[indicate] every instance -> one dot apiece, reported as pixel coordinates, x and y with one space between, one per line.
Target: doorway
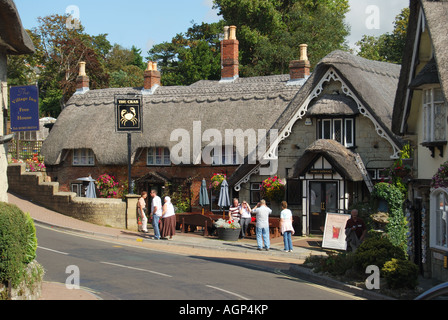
323 199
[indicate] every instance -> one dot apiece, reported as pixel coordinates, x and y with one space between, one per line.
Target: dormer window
158 157
342 130
83 157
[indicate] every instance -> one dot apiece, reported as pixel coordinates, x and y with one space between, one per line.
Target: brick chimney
83 81
229 55
300 69
152 78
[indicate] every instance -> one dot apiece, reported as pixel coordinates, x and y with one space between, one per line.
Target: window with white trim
341 130
434 115
83 157
438 219
158 157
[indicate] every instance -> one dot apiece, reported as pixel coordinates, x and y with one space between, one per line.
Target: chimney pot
226 32
232 33
82 69
149 67
304 52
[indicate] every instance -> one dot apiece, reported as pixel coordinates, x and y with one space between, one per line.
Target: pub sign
128 113
24 105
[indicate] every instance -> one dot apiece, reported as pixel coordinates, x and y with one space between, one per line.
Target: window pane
439 122
167 157
438 95
150 160
338 131
294 194
349 132
326 129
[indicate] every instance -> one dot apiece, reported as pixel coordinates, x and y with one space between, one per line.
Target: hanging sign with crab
129 113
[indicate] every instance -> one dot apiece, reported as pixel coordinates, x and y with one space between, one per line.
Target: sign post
129 119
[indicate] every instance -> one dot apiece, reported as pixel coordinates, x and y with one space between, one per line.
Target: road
116 271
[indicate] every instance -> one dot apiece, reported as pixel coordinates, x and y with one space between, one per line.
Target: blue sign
24 105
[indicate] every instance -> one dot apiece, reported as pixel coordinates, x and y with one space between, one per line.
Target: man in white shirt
156 212
262 225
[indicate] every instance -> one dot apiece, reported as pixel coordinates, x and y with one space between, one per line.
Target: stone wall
106 212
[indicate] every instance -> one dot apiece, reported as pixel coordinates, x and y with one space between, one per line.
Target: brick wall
107 212
66 173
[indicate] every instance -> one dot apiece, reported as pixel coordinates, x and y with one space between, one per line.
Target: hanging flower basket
440 179
216 181
273 189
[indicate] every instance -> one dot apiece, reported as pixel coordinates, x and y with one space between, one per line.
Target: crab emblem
129 116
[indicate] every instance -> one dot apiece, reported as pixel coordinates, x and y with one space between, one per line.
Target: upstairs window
341 130
158 157
83 157
434 116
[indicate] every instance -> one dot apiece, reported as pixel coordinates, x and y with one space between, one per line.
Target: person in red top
355 231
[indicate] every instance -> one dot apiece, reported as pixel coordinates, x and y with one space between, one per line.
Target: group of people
164 221
163 216
242 213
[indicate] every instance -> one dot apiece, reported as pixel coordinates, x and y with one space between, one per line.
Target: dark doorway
322 198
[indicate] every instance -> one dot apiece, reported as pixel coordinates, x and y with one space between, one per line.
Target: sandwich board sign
334 232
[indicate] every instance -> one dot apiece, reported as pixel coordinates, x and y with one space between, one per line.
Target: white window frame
437 227
83 158
344 124
162 154
428 106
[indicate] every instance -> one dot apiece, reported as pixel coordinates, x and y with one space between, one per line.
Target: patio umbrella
224 199
91 189
203 195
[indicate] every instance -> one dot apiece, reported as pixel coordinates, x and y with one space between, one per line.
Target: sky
144 23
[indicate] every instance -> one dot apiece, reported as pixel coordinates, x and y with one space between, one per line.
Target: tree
61 50
388 47
270 31
190 57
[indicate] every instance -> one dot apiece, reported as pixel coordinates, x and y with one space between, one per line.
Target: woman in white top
286 226
246 218
168 219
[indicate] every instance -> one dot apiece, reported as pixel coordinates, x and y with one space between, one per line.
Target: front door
322 198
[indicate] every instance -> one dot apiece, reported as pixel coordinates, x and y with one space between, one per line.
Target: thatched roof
428 75
88 120
12 34
333 105
374 84
342 159
436 15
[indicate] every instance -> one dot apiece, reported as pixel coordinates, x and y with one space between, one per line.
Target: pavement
244 250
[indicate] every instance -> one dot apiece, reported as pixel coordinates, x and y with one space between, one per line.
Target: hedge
18 243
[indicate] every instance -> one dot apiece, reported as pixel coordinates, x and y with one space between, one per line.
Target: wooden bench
189 222
274 228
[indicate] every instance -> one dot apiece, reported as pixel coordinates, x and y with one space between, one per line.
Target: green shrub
338 264
400 274
18 243
376 251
